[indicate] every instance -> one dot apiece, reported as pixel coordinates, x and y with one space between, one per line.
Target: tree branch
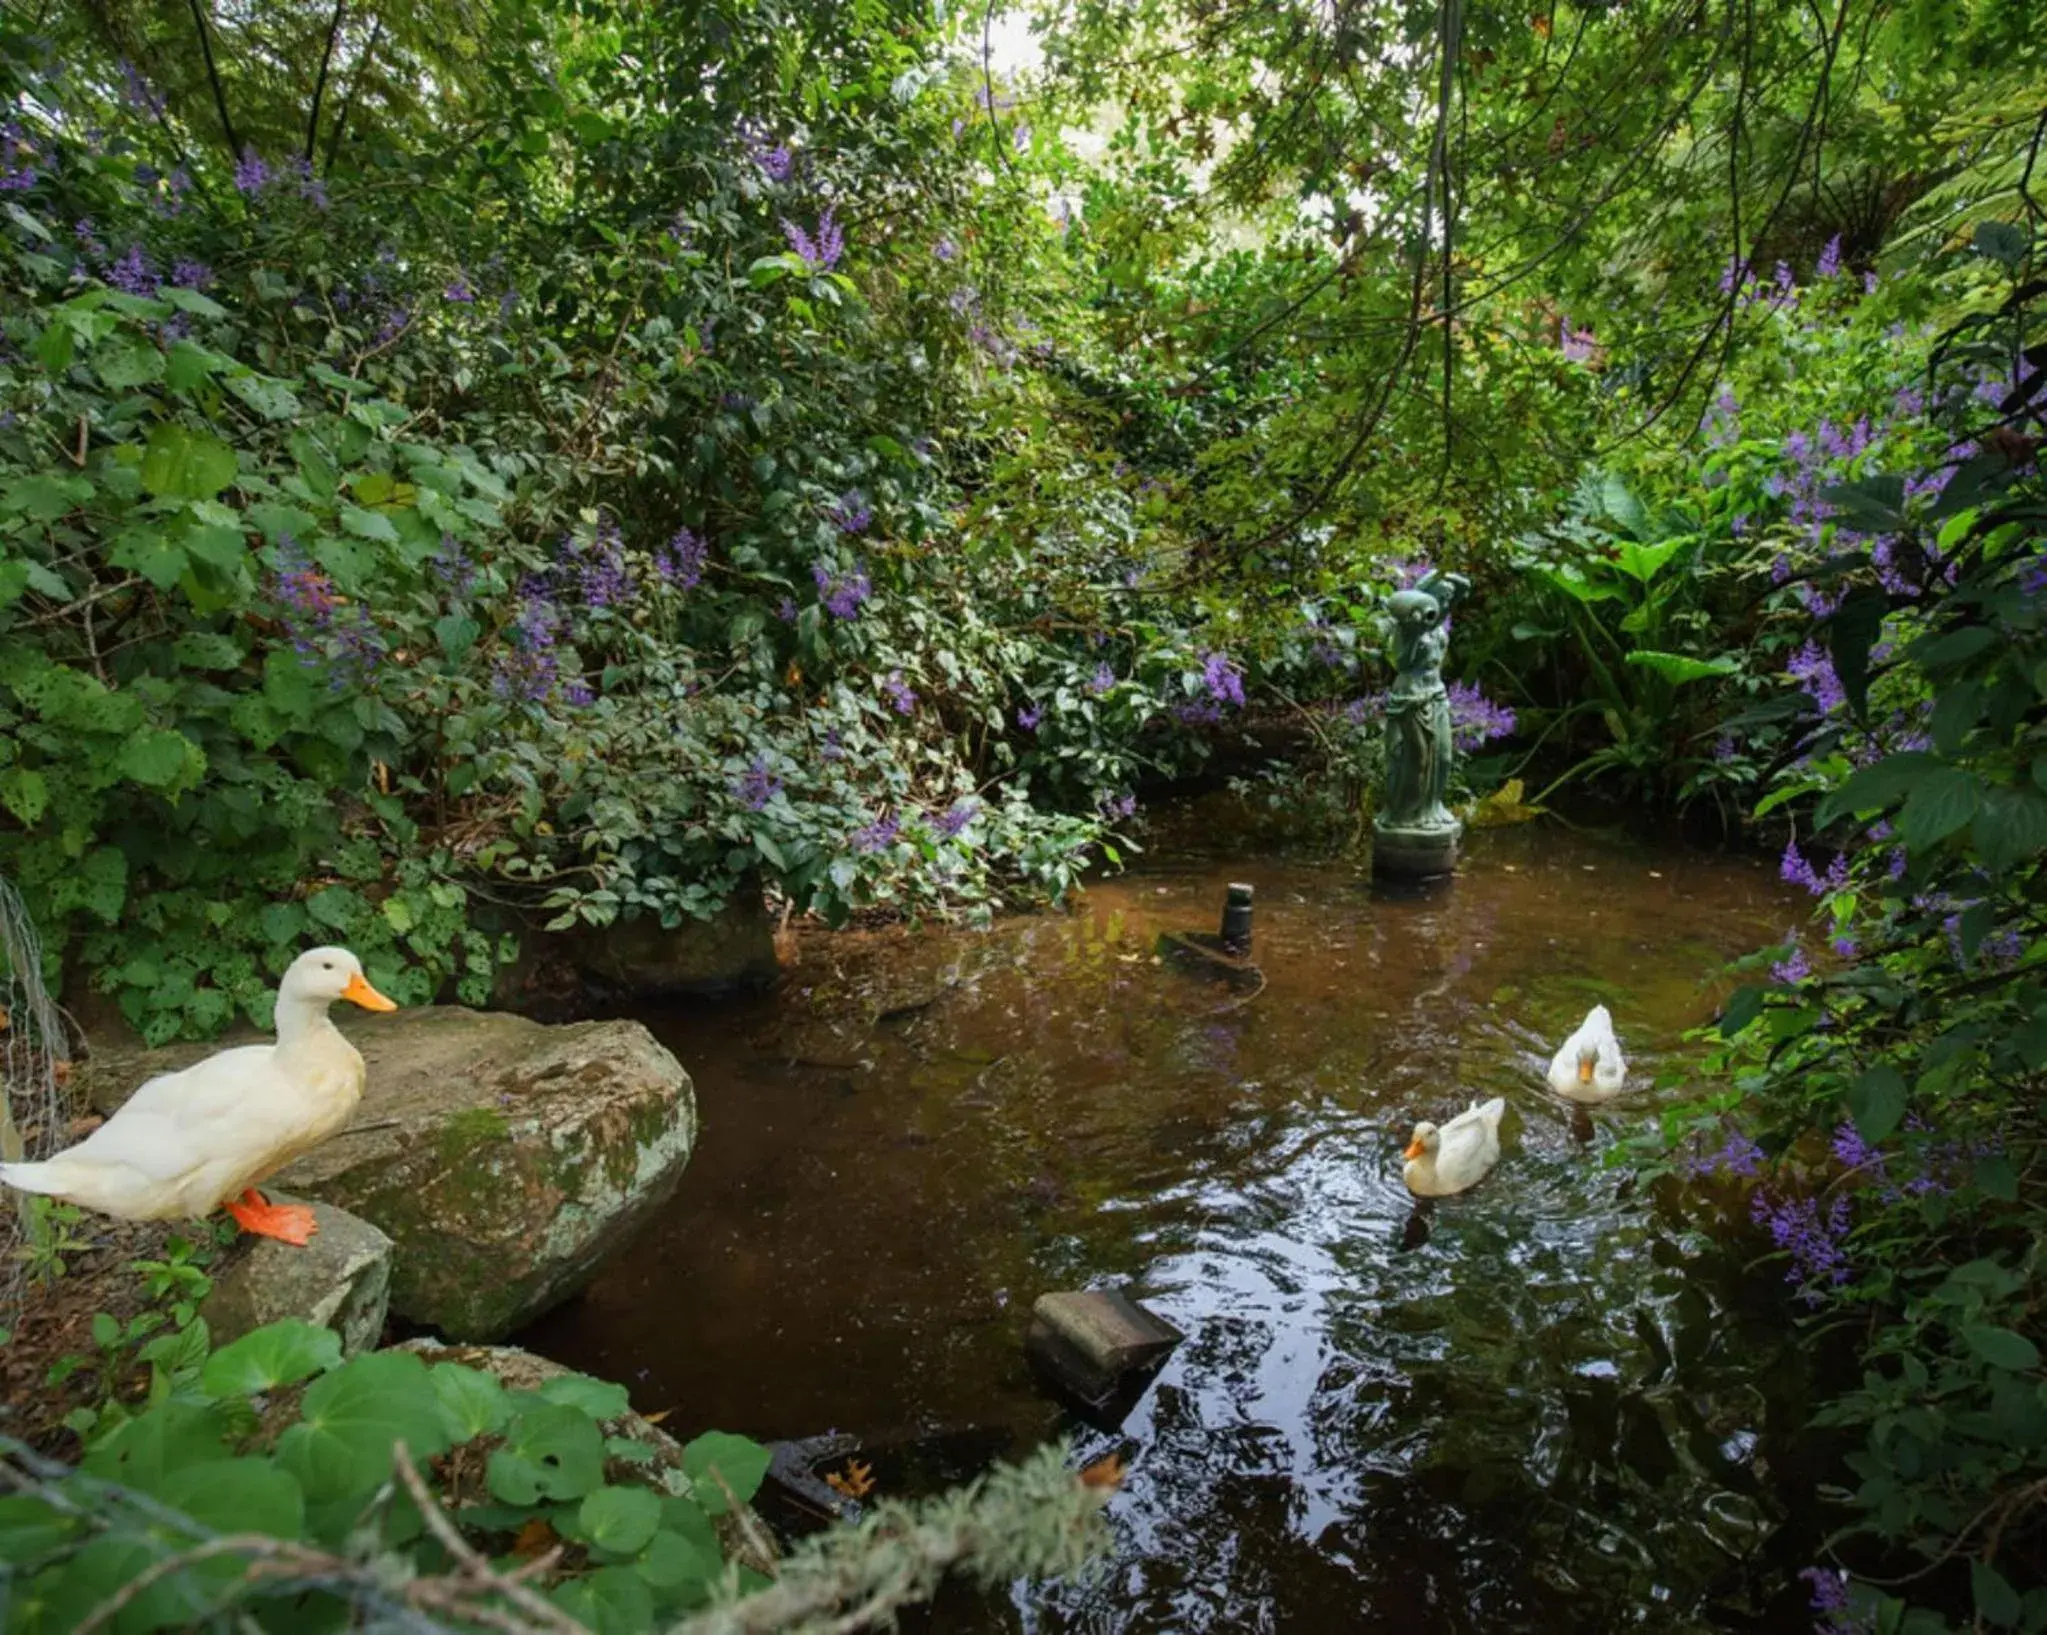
320 81
227 124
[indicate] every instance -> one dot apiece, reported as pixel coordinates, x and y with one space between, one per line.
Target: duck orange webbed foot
288 1223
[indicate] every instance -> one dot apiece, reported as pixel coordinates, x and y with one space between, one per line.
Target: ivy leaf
1876 1101
473 1403
179 464
620 1520
349 1419
280 1353
2001 1348
238 1496
600 1399
368 524
549 1452
743 1464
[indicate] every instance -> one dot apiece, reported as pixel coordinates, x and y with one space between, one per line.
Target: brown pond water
1553 1409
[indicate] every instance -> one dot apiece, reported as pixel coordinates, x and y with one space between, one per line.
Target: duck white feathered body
186 1142
1457 1156
1588 1066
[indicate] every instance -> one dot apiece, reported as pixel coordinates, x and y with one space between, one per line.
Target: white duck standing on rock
1449 1160
186 1142
1588 1066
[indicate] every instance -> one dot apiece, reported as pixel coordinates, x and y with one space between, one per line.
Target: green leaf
280 1353
743 1464
368 524
179 464
238 1496
158 759
671 1562
1870 505
1940 803
2004 242
1621 505
2001 1348
473 1403
30 1528
1679 668
1744 1005
549 1452
2011 827
144 1452
26 793
272 399
620 1520
336 907
203 650
612 1601
46 496
189 364
1875 787
1995 1598
122 369
1852 635
600 1399
349 1419
1876 1101
191 301
1955 713
456 634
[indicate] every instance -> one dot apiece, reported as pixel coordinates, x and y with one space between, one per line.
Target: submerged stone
1098 1349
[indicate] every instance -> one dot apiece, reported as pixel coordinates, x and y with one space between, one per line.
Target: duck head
1425 1140
320 976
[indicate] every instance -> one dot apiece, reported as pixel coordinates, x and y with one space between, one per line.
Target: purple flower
681 561
1725 749
528 667
1021 137
252 175
771 158
1474 718
133 274
1738 1156
1813 1239
820 254
15 176
1795 870
1814 670
451 566
137 91
841 593
459 291
877 836
396 321
311 188
956 818
851 514
900 697
945 249
1028 716
191 275
1852 1151
1830 259
1792 970
785 610
1104 678
756 786
1578 344
1225 683
1119 807
88 239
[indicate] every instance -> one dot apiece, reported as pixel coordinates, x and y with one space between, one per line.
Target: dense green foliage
629 459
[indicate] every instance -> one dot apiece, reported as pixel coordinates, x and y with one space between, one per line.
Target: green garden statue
1413 833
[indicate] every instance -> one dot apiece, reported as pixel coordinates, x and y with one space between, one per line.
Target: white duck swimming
1588 1066
1447 1160
188 1141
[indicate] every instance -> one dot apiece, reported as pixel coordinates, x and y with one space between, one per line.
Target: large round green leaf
741 1462
550 1452
619 1520
350 1418
281 1353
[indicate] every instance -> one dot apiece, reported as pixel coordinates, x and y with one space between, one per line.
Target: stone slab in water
1098 1348
504 1158
1203 954
341 1279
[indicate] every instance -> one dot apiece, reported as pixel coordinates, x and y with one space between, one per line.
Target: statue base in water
1415 854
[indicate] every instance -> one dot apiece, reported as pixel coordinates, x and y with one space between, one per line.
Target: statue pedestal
1414 854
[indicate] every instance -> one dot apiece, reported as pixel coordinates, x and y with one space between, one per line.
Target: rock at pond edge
341 1279
505 1159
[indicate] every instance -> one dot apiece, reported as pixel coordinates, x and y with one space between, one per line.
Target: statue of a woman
1415 830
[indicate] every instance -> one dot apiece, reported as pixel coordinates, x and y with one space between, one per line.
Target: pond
1551 1399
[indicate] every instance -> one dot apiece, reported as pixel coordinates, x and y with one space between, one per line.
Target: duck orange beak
1585 1069
1414 1150
360 992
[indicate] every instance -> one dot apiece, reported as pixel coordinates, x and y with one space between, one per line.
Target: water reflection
1533 1403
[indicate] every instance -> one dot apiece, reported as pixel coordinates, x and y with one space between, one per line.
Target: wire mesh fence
35 1061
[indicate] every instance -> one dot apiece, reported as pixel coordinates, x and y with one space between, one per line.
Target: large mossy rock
504 1158
342 1279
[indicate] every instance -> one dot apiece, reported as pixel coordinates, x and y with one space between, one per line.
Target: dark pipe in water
1236 932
